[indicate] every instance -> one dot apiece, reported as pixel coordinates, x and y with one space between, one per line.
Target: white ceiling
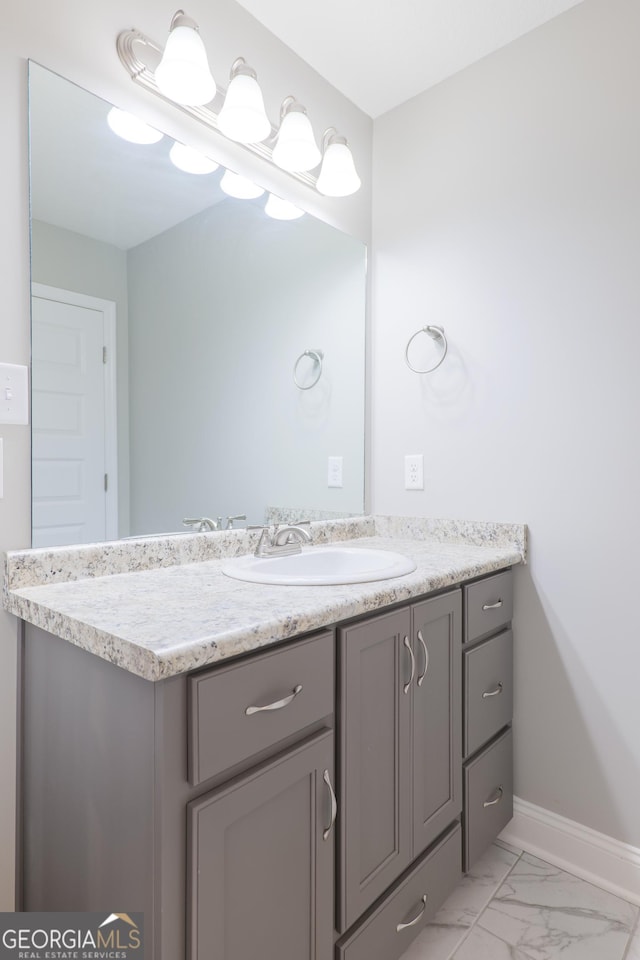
379 53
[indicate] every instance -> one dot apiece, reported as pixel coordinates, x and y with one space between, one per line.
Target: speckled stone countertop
170 616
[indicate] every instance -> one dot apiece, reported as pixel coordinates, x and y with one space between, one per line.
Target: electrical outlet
334 476
414 471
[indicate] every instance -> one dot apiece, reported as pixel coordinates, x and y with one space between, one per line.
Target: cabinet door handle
277 704
412 923
426 659
413 665
492 606
334 805
493 693
497 799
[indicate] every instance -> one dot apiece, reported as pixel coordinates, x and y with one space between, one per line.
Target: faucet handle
202 523
230 520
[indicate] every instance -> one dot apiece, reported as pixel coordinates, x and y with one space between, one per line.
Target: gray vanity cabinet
400 746
260 861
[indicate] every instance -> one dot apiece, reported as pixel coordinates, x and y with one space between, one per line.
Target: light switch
14 393
334 474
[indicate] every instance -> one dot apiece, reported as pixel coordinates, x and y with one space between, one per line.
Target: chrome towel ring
436 333
318 357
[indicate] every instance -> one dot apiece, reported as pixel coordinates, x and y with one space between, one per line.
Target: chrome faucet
202 524
283 541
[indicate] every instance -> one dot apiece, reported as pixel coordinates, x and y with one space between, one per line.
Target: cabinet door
437 724
260 869
375 765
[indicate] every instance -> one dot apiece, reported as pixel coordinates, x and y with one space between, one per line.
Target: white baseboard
593 856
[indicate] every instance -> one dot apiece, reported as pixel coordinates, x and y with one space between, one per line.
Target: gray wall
220 307
77 39
506 208
70 261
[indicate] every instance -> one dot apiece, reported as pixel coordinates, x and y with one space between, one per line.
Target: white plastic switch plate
335 472
414 471
1 469
14 393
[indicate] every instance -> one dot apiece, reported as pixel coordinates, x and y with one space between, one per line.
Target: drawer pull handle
412 923
426 659
492 606
493 693
413 665
334 805
492 803
277 704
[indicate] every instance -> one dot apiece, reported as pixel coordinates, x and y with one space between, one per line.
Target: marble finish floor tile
462 908
633 953
544 913
482 945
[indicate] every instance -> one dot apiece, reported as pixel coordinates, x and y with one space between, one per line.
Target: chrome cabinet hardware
497 799
334 805
492 606
412 923
426 659
493 693
413 665
277 704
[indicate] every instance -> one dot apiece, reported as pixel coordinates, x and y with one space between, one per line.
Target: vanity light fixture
130 128
296 148
243 117
191 161
239 187
338 176
183 74
279 209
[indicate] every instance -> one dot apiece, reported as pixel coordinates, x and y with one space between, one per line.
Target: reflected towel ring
316 355
436 333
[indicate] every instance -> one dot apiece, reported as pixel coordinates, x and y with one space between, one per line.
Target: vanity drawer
488 786
488 605
409 906
247 707
488 690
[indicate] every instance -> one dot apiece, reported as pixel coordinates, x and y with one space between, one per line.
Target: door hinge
106 482
104 354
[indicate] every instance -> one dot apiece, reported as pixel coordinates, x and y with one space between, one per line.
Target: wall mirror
167 320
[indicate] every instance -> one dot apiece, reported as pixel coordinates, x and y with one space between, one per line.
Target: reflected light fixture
338 176
243 117
190 160
240 187
296 148
130 128
280 209
183 73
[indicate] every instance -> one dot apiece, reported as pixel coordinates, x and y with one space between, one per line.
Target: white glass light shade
183 74
239 187
280 209
338 176
296 149
243 117
130 128
190 160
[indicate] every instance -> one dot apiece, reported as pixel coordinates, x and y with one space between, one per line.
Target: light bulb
338 176
296 149
190 160
183 73
130 128
239 187
243 117
280 209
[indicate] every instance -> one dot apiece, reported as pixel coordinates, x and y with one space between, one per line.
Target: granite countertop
167 620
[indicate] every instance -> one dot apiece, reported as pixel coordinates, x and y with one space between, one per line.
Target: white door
72 418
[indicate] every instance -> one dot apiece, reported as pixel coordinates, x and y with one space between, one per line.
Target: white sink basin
321 565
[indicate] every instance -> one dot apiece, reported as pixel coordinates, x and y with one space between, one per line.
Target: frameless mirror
191 356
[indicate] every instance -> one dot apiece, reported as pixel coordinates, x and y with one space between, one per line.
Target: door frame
108 310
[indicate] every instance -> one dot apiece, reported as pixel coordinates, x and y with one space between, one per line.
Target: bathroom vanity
308 778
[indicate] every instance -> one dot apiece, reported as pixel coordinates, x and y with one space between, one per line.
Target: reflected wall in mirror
200 305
